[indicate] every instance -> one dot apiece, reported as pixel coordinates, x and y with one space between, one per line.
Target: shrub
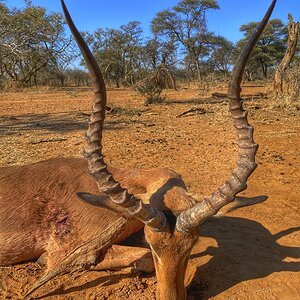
152 91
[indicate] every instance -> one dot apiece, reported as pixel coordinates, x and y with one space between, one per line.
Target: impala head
170 234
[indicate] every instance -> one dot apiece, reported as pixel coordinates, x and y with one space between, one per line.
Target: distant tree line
35 49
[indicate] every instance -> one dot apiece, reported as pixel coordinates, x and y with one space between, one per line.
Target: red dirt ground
246 252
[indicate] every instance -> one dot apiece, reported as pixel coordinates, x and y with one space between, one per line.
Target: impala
42 218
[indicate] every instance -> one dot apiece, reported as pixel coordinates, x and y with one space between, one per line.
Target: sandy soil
247 252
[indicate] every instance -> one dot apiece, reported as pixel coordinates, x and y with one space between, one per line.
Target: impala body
40 212
41 216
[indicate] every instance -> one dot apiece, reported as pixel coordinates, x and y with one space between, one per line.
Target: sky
89 15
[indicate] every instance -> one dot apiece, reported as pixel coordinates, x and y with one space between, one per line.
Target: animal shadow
101 280
52 122
246 250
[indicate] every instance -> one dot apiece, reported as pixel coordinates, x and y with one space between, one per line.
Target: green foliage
152 91
35 50
31 41
221 55
269 49
118 51
157 52
185 24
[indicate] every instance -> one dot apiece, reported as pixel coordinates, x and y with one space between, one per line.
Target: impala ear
103 201
96 200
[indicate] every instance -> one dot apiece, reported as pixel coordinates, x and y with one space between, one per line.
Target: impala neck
170 280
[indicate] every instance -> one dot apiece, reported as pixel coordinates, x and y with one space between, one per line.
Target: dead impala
41 217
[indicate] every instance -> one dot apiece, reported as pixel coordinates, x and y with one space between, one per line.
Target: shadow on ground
198 101
214 100
246 250
99 281
62 122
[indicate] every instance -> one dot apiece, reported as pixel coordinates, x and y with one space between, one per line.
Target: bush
152 91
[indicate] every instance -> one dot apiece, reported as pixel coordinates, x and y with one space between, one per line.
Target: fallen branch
48 141
218 95
193 111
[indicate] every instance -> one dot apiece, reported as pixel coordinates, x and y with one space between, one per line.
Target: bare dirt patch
247 252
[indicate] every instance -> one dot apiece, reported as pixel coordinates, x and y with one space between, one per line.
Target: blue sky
91 14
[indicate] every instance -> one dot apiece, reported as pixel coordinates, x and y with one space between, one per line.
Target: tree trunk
117 82
199 76
265 72
293 28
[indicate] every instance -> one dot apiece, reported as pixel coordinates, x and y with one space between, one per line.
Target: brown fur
41 214
171 251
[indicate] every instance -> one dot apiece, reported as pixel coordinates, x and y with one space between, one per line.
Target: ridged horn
246 164
149 215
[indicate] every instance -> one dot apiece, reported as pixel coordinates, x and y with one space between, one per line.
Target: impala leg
119 257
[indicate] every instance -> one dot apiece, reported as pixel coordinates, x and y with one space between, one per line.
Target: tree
31 40
5 27
293 30
159 59
78 77
269 49
118 51
158 52
186 24
221 55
